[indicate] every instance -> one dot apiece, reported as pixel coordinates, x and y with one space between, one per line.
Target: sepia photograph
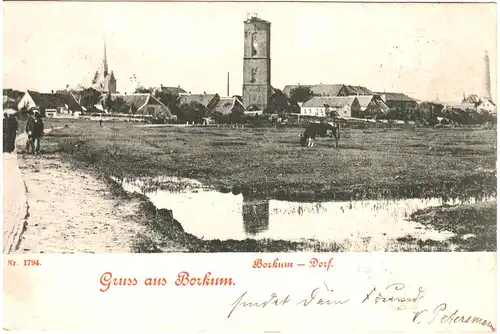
170 127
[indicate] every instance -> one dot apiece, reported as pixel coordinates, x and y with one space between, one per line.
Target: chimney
227 83
487 82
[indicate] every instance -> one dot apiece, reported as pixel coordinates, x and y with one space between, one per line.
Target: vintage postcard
249 166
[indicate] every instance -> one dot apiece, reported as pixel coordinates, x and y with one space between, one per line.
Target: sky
424 50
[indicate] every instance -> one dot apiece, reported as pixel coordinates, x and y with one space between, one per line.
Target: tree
108 103
300 94
90 97
119 106
142 90
278 103
167 98
192 112
236 113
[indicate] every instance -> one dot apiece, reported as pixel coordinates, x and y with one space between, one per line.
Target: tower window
255 44
253 75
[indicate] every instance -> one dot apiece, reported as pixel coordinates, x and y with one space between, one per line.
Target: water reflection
209 214
255 215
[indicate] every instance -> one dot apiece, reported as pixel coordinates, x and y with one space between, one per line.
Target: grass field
270 163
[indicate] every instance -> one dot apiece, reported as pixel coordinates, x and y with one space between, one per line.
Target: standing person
337 135
37 132
100 121
5 132
29 130
12 126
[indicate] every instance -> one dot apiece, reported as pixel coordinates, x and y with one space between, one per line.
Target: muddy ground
71 211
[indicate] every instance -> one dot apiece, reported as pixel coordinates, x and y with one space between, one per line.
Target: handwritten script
326 296
397 294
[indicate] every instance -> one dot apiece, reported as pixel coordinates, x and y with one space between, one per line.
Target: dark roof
318 90
355 90
330 90
138 100
397 97
54 101
208 100
332 101
172 90
256 19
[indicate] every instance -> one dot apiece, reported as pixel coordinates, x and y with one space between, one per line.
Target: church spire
105 61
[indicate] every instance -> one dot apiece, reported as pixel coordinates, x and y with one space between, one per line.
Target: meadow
270 163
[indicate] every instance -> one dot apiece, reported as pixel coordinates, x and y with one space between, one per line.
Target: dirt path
15 206
70 211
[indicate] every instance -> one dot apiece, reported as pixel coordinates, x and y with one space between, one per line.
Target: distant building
142 104
256 63
458 106
207 100
226 105
331 90
104 81
60 102
175 91
398 100
344 106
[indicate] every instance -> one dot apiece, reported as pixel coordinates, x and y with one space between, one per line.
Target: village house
50 104
209 101
344 106
226 105
371 105
398 100
487 105
142 104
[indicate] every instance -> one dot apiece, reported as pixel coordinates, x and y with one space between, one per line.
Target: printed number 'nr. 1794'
31 262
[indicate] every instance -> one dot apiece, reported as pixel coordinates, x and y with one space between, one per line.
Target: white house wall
344 111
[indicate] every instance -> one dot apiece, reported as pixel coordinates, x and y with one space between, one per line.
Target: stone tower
257 63
487 80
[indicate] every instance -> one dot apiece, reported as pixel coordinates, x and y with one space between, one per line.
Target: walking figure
5 131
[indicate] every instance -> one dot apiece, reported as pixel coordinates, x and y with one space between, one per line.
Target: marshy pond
210 214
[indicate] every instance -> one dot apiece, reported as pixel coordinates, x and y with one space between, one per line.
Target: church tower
256 63
104 81
105 62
